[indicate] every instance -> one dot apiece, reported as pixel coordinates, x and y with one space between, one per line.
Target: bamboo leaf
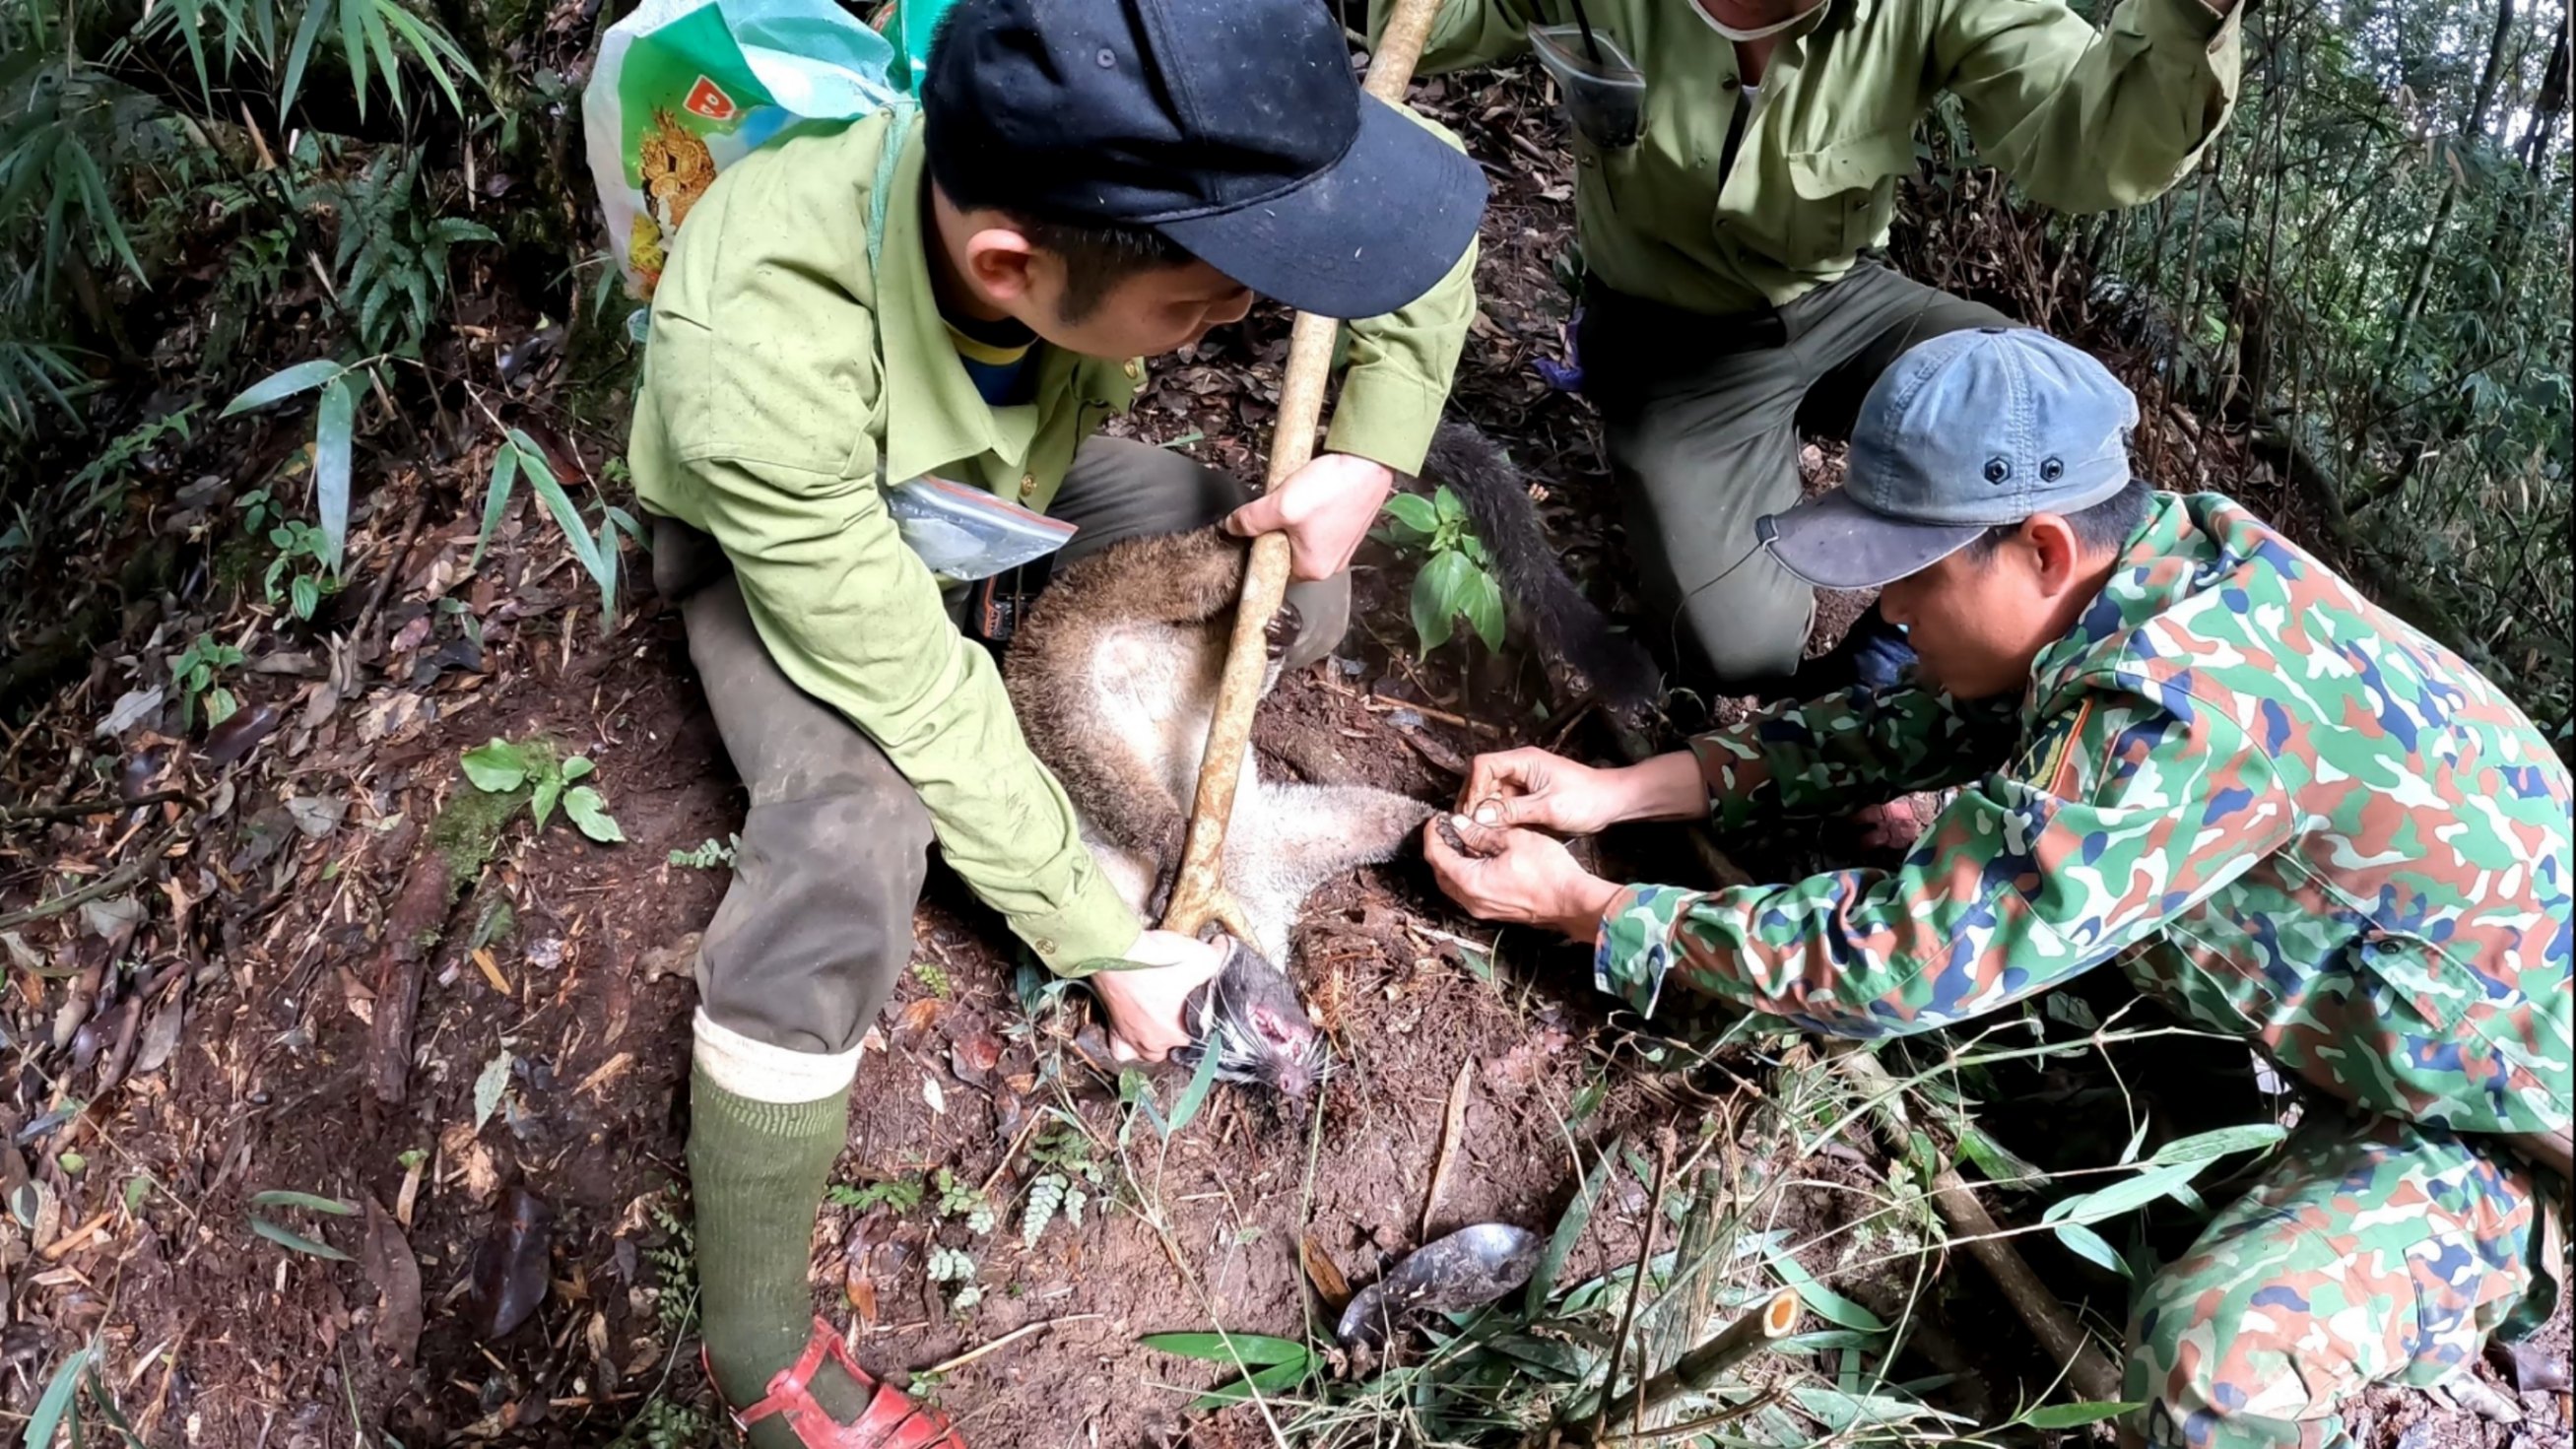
2203 1146
102 210
290 1239
2126 1196
427 49
1249 1348
541 477
372 13
608 565
2069 1416
2086 1243
353 44
1267 1381
283 383
331 439
184 14
1829 1305
505 472
1569 1231
57 1401
281 1197
311 26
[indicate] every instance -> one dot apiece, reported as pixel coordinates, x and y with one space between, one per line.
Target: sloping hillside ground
198 1030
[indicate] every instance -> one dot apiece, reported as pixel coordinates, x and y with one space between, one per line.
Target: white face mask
1761 33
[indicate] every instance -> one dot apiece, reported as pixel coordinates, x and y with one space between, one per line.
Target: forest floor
200 1032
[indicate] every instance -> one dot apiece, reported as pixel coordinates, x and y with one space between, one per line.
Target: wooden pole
1197 892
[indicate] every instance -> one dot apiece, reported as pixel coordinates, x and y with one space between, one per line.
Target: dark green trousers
817 925
1702 417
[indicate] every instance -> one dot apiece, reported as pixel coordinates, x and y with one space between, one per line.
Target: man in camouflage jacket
2182 744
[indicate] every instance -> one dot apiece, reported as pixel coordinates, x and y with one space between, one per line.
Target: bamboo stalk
1738 1341
1694 1372
2086 1368
1199 884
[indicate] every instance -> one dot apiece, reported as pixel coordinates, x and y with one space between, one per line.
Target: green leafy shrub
1456 579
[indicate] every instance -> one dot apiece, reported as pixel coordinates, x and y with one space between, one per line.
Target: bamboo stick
1199 886
2092 1374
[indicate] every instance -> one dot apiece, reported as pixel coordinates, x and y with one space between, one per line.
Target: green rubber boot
756 1172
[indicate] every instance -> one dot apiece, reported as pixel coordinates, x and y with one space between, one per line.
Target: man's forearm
1667 787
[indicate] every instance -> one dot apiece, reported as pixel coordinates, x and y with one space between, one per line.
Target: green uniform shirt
2085 120
2278 806
788 381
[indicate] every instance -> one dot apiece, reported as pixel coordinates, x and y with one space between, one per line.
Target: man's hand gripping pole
1198 894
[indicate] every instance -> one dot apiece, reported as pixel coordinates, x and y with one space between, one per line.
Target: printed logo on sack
708 99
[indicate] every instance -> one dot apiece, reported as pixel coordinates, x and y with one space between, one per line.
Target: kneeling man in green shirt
966 295
1736 171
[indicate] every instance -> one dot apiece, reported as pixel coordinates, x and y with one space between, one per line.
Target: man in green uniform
2182 744
966 296
1731 295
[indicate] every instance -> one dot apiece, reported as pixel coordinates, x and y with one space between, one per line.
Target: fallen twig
393 571
106 885
1005 1341
1453 1123
1379 704
1636 1290
84 809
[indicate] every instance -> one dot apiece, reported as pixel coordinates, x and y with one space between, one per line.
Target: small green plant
500 766
58 1408
955 1265
1065 1188
290 1239
260 512
934 976
597 553
100 486
957 1200
301 573
902 1194
1456 577
667 1423
1269 1365
675 1272
197 671
710 854
334 434
392 256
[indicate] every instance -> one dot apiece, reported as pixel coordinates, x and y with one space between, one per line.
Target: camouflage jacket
2281 809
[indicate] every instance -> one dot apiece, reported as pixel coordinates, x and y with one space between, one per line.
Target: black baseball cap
1232 127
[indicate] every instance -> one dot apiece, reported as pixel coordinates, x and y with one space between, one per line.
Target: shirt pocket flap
1851 164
